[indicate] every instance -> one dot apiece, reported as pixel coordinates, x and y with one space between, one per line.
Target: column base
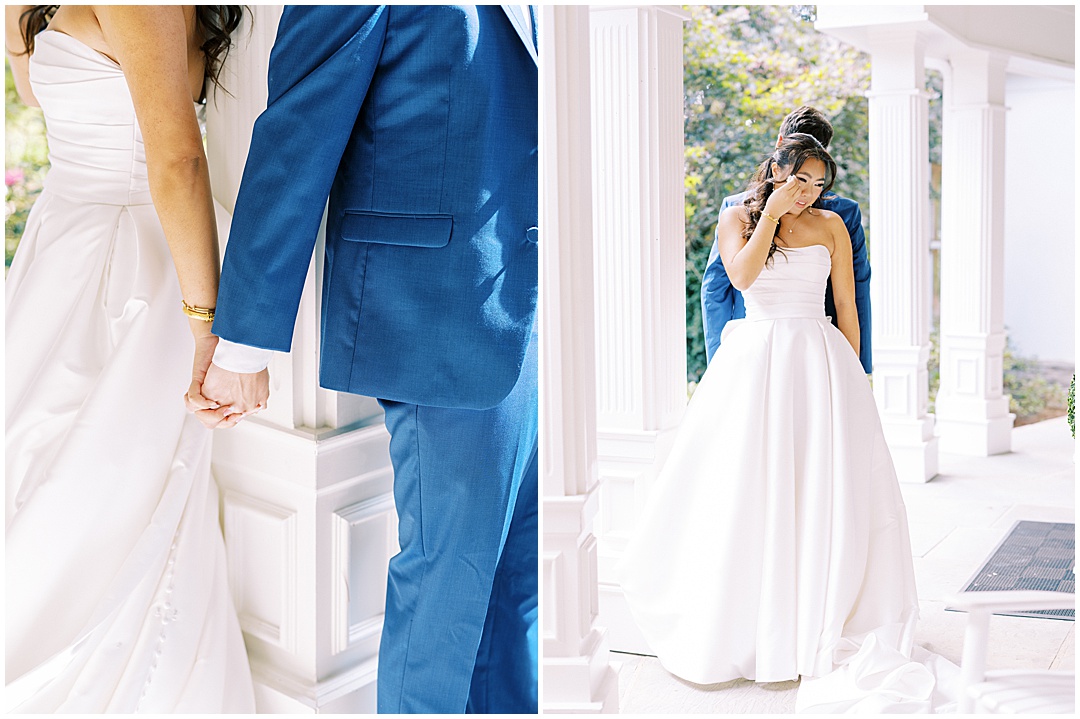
585 684
914 450
627 465
623 632
976 438
309 525
351 692
628 462
916 463
913 447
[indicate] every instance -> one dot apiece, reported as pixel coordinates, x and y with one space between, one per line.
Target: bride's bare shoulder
80 22
827 216
734 215
830 222
833 230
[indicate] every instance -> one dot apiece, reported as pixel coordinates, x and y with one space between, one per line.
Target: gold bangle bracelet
204 314
770 217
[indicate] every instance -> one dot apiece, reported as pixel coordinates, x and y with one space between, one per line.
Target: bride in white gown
774 541
117 598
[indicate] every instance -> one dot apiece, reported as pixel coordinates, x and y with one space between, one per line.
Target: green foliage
1072 406
745 68
933 367
25 164
1029 392
935 107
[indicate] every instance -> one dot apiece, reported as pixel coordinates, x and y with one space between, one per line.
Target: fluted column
578 677
972 412
307 508
899 250
638 224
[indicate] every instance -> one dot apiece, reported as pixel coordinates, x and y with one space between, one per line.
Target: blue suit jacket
721 302
420 126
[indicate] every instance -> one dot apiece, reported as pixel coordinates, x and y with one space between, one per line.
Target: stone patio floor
956 521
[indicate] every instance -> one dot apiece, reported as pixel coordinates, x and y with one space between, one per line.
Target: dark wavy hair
218 22
793 152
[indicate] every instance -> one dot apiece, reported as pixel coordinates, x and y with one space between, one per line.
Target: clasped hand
220 398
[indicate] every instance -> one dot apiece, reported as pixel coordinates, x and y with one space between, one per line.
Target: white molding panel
364 539
260 544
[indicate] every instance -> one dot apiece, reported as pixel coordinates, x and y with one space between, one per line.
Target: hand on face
784 196
795 191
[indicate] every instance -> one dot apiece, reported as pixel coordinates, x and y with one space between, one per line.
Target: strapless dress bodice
792 285
95 145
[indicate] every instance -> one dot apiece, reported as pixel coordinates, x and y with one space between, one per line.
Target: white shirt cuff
240 358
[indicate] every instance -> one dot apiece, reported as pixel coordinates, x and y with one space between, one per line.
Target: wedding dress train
117 599
774 543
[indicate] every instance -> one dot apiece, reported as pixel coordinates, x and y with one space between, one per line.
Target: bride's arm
744 259
843 282
150 43
18 58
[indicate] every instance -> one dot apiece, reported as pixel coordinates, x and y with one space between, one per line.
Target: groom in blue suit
720 302
419 124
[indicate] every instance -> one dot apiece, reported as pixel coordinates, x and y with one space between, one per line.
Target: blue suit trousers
460 630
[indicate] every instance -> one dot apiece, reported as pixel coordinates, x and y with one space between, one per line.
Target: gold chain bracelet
205 314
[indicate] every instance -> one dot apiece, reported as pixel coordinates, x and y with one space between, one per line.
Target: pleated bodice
792 285
95 145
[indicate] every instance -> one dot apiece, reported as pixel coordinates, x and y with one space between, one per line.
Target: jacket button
532 234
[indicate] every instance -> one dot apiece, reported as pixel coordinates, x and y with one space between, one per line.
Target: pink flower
13 177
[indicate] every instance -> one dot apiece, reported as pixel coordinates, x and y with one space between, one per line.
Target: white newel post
900 250
638 225
577 673
307 508
972 413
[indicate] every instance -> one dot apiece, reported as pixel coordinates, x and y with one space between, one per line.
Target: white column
307 508
899 250
577 673
638 225
972 413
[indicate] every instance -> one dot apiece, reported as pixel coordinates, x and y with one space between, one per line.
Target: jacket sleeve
321 66
717 294
861 267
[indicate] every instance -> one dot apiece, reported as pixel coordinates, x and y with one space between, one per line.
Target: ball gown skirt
117 599
774 541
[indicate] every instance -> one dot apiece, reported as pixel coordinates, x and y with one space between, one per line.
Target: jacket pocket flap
392 228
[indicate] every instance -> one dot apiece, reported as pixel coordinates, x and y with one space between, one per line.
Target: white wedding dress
117 598
774 543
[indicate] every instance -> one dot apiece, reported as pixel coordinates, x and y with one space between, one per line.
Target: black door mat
1033 555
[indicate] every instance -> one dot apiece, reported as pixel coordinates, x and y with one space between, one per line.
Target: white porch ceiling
1038 40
